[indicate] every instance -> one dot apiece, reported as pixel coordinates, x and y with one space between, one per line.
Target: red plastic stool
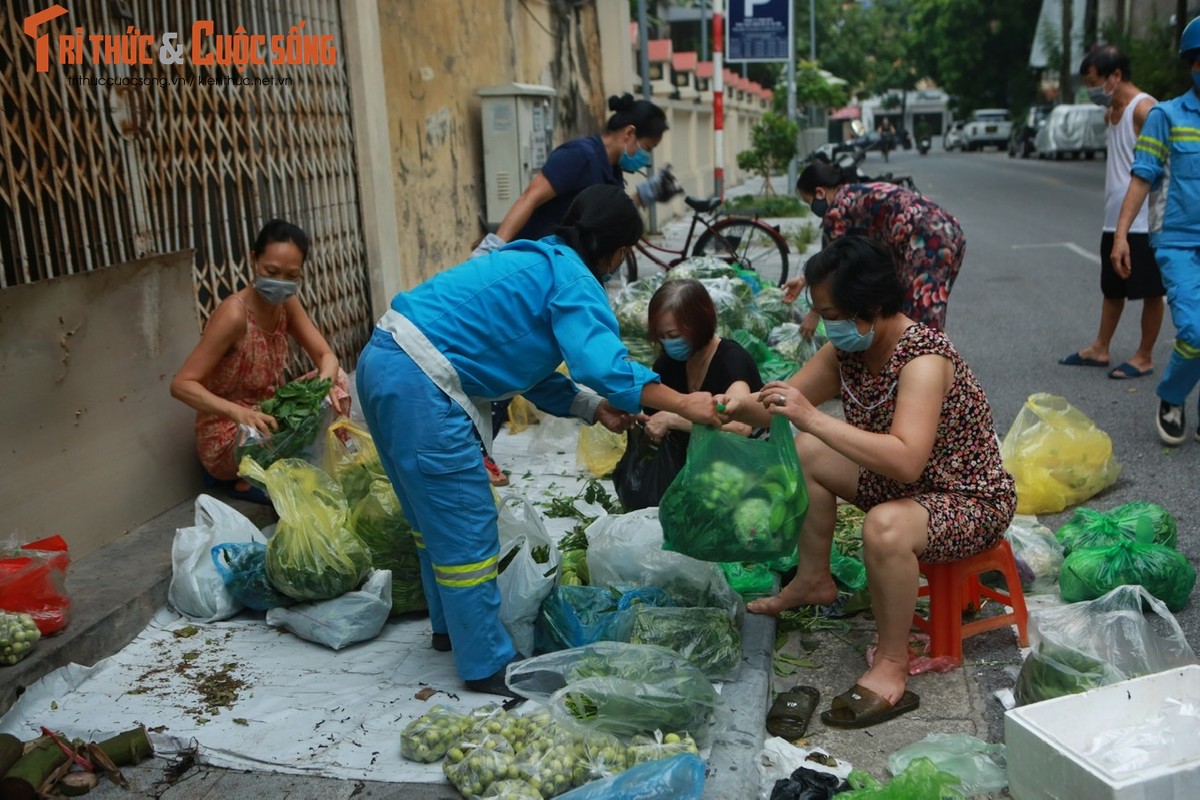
954 587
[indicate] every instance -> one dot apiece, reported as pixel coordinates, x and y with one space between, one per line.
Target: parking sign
759 30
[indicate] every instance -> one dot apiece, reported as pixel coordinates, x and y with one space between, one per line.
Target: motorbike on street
923 145
848 160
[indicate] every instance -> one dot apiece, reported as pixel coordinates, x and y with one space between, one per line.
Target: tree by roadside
773 145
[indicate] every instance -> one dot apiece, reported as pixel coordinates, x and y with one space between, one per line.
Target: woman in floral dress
917 452
926 243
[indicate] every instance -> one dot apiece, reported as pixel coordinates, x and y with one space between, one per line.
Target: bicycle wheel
631 266
749 243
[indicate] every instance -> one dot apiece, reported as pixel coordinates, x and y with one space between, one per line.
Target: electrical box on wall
518 133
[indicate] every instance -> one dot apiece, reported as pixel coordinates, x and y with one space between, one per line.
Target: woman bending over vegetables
243 352
494 326
917 451
683 321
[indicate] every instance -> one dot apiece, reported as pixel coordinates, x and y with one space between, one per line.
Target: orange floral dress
246 376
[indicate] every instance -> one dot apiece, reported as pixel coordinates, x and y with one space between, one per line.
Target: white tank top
1119 159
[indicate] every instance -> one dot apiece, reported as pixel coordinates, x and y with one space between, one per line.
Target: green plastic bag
313 555
1139 522
748 579
980 766
920 780
736 499
378 520
1093 571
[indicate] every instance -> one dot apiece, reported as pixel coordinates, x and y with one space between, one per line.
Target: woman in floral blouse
926 243
917 451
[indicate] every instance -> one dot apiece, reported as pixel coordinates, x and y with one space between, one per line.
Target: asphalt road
1029 293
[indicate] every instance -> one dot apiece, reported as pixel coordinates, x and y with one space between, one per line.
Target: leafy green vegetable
1052 671
378 520
707 637
296 406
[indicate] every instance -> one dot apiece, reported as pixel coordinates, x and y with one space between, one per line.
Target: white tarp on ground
304 708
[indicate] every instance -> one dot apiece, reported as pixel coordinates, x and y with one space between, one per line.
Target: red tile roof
659 49
704 69
684 62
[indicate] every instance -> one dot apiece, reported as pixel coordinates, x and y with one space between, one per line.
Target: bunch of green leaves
707 637
566 507
296 407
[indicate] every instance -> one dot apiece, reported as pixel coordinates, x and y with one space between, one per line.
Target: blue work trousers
1180 270
431 453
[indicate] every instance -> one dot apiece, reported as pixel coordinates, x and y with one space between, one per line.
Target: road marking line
1074 248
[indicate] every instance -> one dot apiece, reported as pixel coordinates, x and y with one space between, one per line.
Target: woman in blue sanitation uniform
493 327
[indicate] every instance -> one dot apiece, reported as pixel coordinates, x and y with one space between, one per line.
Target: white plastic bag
197 590
352 617
525 582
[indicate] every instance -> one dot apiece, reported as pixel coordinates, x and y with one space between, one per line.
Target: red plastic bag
33 581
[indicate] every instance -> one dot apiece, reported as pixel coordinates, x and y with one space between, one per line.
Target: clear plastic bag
1080 646
736 499
679 777
1038 554
429 736
707 637
243 567
197 589
474 766
313 555
618 688
920 780
981 767
340 622
529 567
303 410
1057 456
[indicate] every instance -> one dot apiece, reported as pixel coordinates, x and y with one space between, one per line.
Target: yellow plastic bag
313 555
1057 455
352 460
521 414
599 450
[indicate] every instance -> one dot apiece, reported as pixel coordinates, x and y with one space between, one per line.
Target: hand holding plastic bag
1057 456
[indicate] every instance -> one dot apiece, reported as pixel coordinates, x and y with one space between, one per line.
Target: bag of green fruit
736 499
474 766
429 736
18 634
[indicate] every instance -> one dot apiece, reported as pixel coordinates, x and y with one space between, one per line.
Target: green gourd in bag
736 499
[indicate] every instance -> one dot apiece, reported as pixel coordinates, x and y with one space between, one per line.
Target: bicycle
747 242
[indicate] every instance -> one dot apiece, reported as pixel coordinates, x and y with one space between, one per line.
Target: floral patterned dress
970 497
246 376
927 243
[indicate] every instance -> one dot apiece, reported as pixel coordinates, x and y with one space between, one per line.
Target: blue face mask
845 336
678 349
275 290
639 160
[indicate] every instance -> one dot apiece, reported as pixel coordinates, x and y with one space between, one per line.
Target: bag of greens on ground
618 688
632 306
627 550
302 409
980 766
707 637
920 780
1038 554
379 522
1138 522
1165 573
572 616
243 567
528 569
1080 646
1057 456
736 499
748 579
313 555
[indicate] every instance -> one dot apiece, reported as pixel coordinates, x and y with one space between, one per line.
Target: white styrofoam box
1048 743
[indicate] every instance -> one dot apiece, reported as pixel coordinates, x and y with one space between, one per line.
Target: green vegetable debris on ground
296 406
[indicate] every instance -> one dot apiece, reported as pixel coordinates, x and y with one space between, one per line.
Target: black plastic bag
647 468
808 784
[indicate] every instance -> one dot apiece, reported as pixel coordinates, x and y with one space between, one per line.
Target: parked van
1077 130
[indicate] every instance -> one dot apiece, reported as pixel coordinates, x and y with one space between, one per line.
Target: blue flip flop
1127 371
253 494
1076 360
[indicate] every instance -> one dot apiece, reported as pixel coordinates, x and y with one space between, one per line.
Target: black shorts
1144 278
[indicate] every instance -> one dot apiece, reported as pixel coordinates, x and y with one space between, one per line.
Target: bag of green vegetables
1137 522
313 555
302 409
736 499
378 520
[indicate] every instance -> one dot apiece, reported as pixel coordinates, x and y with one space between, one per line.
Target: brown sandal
859 707
791 712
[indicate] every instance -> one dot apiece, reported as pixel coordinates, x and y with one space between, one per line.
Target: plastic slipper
1127 371
859 707
251 493
1076 360
791 711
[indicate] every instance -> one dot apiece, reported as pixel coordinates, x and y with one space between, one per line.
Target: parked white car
1075 130
987 126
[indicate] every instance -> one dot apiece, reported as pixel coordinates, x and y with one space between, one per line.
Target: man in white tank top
1106 73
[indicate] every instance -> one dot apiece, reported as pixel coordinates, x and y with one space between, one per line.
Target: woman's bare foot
886 678
815 593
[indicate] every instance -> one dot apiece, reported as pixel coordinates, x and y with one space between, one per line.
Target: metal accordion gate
103 163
